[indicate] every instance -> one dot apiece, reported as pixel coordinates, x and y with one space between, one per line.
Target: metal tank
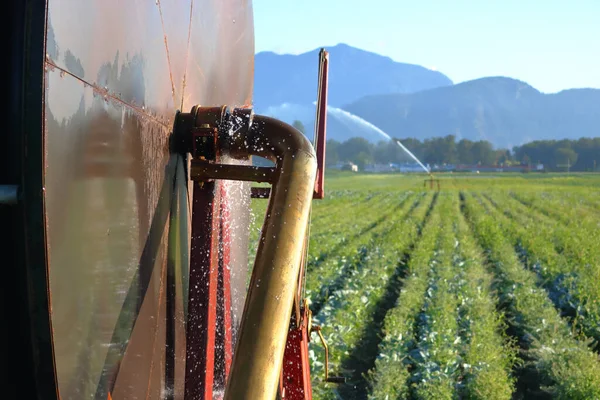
128 213
115 74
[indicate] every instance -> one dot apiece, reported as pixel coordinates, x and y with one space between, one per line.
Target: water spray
412 155
344 115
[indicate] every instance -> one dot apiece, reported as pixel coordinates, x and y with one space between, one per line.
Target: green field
487 289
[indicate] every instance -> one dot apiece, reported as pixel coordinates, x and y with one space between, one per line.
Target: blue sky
552 45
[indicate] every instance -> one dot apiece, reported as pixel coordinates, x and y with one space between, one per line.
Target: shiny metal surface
116 72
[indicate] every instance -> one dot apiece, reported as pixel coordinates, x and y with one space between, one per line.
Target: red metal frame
321 124
225 283
209 344
209 328
202 304
295 378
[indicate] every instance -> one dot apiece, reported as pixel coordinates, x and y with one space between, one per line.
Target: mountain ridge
505 111
288 78
410 100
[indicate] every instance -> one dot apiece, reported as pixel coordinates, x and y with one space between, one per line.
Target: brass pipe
258 358
317 329
330 379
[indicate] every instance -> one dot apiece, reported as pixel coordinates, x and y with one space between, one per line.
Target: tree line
556 155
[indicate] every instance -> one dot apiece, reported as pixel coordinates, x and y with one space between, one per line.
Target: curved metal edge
30 358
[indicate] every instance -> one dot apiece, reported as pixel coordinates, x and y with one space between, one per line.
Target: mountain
504 111
353 73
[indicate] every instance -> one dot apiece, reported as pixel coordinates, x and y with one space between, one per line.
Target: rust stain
187 54
162 22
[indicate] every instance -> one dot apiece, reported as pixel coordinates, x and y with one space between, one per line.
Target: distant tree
464 149
579 154
582 154
588 153
441 150
299 125
433 151
387 151
351 148
450 150
565 156
332 156
483 153
541 151
415 146
362 159
503 157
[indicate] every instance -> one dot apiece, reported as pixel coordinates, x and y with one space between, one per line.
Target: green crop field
486 289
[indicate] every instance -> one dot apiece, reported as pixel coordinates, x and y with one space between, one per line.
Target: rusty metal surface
115 74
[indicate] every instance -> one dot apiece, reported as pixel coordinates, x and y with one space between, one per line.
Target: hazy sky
552 45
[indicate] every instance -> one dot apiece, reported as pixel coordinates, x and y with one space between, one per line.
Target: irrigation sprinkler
431 181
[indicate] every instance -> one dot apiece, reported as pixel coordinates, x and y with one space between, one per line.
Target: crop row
443 339
330 224
565 209
436 358
331 214
348 316
563 365
489 356
567 260
390 377
490 294
326 276
342 228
